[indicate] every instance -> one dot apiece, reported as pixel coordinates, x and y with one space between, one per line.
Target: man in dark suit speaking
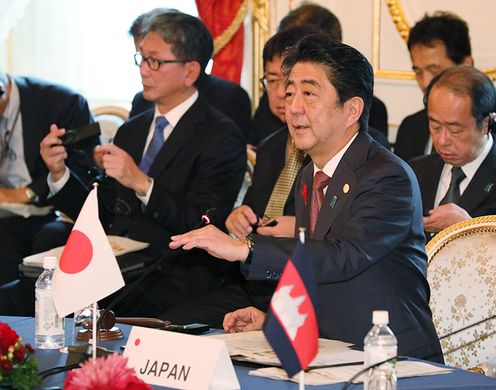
166 166
366 241
459 181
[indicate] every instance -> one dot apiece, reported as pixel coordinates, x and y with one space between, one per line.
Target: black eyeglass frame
150 60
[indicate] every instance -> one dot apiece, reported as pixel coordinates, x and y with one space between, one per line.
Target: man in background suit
320 19
199 163
274 158
28 106
458 182
366 241
435 43
226 96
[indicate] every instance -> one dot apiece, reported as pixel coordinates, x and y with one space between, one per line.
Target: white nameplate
180 361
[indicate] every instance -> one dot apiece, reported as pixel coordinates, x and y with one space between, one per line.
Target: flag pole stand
301 381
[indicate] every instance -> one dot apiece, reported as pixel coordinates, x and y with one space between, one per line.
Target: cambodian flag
291 324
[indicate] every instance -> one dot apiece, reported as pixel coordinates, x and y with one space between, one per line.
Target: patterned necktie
320 181
284 183
155 144
453 193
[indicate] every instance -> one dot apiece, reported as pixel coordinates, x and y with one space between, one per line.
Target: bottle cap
380 317
49 262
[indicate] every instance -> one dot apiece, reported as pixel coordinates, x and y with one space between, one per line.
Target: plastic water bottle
49 332
379 345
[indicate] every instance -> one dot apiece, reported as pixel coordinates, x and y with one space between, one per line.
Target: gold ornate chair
110 117
462 276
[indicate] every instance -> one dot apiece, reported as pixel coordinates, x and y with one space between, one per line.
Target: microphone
205 220
402 357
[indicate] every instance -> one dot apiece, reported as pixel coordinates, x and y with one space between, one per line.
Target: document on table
253 347
120 246
331 375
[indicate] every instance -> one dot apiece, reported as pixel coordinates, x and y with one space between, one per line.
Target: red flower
108 373
304 192
8 338
19 354
29 348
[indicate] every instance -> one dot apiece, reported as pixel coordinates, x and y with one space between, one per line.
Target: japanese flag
87 270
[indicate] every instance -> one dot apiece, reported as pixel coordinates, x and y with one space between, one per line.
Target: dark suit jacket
201 165
368 250
478 199
226 96
42 104
413 135
265 123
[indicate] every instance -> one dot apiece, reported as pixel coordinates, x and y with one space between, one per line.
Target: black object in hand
72 137
271 223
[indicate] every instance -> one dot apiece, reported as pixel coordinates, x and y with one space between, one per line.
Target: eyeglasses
154 63
271 83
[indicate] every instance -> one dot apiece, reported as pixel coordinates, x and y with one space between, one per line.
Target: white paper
254 347
120 246
332 375
22 209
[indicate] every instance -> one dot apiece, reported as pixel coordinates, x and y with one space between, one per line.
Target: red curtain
219 16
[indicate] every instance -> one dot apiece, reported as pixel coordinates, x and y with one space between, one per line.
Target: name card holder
179 360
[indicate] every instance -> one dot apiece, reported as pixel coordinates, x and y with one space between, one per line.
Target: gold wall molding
400 20
261 33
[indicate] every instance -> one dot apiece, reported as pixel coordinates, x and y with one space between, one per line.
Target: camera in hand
72 137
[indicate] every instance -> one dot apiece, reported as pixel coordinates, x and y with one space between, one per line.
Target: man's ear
468 60
354 109
193 70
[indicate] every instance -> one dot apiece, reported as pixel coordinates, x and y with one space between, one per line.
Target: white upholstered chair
110 117
462 276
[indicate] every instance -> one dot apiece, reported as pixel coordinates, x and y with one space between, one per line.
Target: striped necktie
320 181
284 183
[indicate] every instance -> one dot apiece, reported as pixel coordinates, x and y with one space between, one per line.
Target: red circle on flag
137 342
77 254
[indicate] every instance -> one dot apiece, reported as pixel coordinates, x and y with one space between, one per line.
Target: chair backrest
110 117
462 276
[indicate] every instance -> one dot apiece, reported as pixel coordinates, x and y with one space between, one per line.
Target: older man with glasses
166 166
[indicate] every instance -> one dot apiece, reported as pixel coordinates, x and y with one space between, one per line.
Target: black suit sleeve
378 219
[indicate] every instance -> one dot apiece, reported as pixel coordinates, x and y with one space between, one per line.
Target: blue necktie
155 145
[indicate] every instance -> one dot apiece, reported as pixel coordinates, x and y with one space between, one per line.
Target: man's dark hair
467 81
136 29
308 14
445 27
347 69
282 41
188 36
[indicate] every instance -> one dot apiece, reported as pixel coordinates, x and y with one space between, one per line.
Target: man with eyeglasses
320 19
226 96
28 106
167 166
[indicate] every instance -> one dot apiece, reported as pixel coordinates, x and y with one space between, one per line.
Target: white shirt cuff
144 199
56 186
